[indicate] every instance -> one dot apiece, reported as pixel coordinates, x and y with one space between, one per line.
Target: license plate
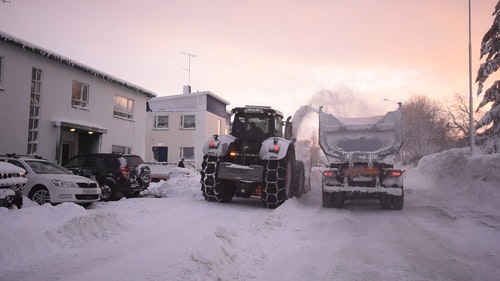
90 192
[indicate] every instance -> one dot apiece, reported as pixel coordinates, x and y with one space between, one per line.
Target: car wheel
108 191
145 177
40 195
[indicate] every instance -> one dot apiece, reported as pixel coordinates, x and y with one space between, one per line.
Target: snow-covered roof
166 102
29 47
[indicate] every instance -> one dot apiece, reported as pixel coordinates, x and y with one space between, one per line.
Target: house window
121 149
187 153
124 107
188 122
34 111
1 72
161 122
80 94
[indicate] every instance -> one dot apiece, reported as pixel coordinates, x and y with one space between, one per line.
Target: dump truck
362 153
257 158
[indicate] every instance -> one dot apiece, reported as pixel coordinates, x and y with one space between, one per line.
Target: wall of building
55 103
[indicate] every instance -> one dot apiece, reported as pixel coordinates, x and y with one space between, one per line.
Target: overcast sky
283 53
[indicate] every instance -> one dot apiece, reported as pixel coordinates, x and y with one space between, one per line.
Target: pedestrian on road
181 163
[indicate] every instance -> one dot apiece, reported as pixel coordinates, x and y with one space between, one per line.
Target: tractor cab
256 123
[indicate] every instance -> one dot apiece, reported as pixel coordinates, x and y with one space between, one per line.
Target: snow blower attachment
361 154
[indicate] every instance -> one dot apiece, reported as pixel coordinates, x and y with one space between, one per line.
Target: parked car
117 174
49 182
12 182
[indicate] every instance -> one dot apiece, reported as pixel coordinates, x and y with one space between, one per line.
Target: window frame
156 123
127 112
183 122
182 153
83 92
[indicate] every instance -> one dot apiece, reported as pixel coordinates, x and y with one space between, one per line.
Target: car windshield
45 167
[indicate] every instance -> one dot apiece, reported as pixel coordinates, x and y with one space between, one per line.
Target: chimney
186 89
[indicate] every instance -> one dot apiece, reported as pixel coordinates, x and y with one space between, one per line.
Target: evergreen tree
489 125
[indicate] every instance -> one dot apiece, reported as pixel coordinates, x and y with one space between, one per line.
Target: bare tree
426 129
458 119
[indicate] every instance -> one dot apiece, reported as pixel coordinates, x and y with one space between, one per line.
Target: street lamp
471 99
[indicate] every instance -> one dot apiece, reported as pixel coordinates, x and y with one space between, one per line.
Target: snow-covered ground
448 230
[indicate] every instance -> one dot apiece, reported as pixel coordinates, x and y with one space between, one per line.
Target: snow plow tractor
256 159
361 154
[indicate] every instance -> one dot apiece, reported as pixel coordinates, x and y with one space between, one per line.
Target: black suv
117 174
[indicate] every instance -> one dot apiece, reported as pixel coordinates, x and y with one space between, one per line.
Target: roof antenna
189 65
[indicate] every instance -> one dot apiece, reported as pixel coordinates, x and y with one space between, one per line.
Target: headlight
62 183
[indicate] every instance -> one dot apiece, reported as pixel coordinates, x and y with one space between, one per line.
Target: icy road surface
439 235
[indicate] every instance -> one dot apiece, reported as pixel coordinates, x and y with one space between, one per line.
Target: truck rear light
232 154
329 174
125 172
394 173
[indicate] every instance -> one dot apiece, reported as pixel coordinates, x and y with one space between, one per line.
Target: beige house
178 126
54 107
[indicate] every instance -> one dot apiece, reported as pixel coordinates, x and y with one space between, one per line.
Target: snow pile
180 184
468 180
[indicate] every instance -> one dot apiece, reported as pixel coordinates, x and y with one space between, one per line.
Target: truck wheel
208 177
327 199
298 179
277 182
398 202
386 201
338 200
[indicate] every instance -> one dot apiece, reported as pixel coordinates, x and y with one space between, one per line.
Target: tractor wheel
208 177
212 188
298 179
277 182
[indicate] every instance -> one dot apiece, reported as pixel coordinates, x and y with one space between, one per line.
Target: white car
49 182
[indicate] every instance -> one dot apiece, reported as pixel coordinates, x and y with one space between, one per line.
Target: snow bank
472 180
34 231
179 185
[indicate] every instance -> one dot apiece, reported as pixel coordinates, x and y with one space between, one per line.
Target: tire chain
274 193
209 184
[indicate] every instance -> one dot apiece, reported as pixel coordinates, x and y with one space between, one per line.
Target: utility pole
471 99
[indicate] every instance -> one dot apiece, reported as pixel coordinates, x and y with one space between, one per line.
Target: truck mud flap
234 172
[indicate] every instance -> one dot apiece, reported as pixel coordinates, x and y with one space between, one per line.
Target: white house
54 107
178 126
